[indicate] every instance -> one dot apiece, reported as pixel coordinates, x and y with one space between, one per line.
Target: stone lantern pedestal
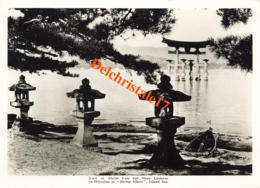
84 136
24 106
166 153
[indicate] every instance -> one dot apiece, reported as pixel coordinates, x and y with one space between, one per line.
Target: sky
191 25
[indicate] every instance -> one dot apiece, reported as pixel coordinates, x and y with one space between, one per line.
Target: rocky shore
45 149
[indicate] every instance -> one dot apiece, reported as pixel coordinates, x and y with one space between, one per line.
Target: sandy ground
47 151
29 156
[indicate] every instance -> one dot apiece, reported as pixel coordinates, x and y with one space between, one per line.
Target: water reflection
225 99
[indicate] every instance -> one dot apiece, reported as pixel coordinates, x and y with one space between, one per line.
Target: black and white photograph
126 92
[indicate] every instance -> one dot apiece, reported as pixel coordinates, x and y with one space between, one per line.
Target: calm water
225 99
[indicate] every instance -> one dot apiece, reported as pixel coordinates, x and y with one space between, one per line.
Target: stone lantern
166 124
21 90
85 113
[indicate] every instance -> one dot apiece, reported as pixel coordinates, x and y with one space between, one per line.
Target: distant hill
160 55
145 51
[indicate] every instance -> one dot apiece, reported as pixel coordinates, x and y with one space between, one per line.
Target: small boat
205 143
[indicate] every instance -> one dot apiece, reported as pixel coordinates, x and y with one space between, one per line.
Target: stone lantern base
23 121
84 136
166 153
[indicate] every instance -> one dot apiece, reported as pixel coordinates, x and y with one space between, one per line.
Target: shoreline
45 150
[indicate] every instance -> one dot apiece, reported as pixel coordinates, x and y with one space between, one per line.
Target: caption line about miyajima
128 84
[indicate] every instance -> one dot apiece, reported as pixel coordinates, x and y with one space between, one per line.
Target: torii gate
184 47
